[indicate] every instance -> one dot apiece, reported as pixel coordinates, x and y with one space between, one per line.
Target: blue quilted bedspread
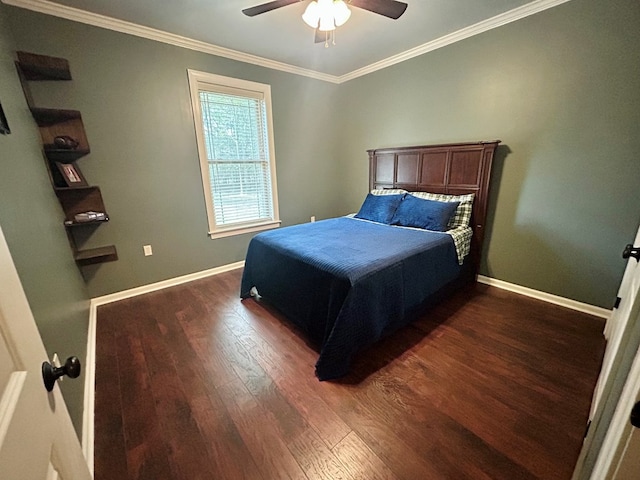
347 282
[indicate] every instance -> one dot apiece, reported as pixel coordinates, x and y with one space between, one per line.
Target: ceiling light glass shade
326 15
327 23
341 12
311 15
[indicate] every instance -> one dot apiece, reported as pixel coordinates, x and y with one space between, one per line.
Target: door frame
89 402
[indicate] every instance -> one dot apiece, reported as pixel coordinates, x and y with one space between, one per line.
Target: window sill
244 229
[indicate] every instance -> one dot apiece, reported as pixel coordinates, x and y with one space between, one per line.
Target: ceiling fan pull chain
326 39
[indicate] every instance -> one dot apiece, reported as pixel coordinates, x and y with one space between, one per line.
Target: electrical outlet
147 250
313 218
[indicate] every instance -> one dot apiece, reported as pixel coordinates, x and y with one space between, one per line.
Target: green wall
561 89
134 98
31 220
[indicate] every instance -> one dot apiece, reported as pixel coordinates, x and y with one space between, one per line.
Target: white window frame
220 84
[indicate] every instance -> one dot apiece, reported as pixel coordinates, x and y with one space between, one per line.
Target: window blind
237 150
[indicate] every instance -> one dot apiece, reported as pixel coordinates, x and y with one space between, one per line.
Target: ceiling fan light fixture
326 15
311 15
327 23
341 12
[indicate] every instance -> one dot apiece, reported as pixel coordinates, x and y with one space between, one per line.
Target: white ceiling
365 43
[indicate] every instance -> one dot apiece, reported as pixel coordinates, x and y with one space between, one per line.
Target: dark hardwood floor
193 383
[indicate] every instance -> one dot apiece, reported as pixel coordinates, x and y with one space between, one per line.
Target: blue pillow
379 208
427 214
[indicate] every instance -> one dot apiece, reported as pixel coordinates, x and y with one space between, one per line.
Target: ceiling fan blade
267 7
387 8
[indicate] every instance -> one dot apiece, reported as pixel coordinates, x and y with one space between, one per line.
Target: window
234 132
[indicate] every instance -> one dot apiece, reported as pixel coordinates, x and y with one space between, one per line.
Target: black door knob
631 251
50 374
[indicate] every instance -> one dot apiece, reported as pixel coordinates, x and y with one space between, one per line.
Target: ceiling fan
326 15
388 8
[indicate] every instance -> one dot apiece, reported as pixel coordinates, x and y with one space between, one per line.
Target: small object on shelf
71 174
90 217
65 142
54 123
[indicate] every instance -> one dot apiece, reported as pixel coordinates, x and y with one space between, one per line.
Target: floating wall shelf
55 123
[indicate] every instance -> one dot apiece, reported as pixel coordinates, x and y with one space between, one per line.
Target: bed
349 281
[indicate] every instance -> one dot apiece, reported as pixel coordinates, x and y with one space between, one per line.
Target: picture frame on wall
4 125
71 174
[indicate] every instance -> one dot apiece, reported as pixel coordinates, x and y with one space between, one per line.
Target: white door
619 457
37 439
617 324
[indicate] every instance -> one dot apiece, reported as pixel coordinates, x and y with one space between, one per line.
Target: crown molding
74 14
122 26
480 27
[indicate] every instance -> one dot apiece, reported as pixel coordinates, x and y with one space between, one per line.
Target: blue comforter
348 282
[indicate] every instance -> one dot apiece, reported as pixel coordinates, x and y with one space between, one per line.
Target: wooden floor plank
316 460
360 461
108 426
192 382
147 452
267 448
181 433
228 456
283 367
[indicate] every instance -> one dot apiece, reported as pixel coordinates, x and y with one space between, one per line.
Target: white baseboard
546 297
171 282
88 433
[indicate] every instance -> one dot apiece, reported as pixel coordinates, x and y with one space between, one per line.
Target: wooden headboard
452 168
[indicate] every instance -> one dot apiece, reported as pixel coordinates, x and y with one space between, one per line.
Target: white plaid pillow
388 191
462 216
